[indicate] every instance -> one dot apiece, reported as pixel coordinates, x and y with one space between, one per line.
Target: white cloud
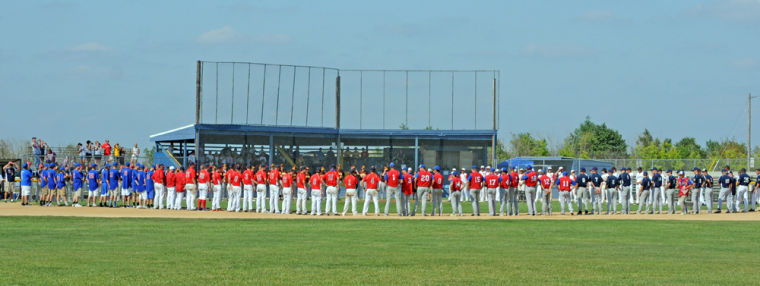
90 47
735 11
224 34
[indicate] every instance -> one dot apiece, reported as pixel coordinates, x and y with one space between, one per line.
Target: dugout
314 147
568 163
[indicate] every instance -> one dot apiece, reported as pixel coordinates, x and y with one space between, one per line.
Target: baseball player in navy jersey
699 181
581 192
707 193
625 190
670 192
611 184
644 192
657 191
595 189
742 188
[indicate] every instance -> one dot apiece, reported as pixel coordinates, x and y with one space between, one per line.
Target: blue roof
188 132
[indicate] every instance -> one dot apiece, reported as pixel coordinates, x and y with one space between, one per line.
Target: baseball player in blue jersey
113 185
104 186
707 193
699 182
742 189
656 191
670 192
595 188
725 182
93 179
625 191
644 192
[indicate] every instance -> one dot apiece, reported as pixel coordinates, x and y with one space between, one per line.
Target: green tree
728 149
688 148
501 152
523 144
591 140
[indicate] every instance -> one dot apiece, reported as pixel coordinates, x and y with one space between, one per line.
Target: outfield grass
60 250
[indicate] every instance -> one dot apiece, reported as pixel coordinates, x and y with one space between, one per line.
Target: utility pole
749 130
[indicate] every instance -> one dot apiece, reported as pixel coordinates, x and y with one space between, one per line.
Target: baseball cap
493 169
25 165
696 169
171 167
560 168
645 173
550 167
437 168
463 169
564 173
392 165
654 169
540 170
94 165
410 169
454 173
529 167
670 171
572 171
482 167
704 170
504 169
422 166
583 169
474 167
639 168
594 169
127 164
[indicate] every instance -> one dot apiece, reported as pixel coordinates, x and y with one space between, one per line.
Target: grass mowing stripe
60 250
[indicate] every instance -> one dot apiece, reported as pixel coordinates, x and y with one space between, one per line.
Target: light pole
749 129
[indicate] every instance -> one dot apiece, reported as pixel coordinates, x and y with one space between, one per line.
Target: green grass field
61 250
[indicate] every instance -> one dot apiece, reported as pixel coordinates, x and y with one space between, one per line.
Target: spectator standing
9 174
81 153
117 154
97 152
107 151
37 150
88 152
135 154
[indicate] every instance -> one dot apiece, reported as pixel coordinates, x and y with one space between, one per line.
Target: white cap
409 169
482 167
550 167
454 169
463 169
561 168
171 167
430 170
489 167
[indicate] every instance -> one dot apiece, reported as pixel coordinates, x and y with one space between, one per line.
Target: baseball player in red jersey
492 184
190 187
236 180
351 182
315 182
371 181
565 184
437 186
455 189
287 191
512 195
301 198
179 181
274 190
171 190
393 183
423 179
216 179
248 189
475 180
504 182
407 186
684 186
331 191
531 181
159 183
546 193
261 190
203 179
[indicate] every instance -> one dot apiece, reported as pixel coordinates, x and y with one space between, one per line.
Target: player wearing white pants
316 201
350 200
372 195
178 200
301 201
234 199
216 200
247 197
331 202
202 192
392 192
190 190
171 194
261 194
159 189
287 198
274 198
741 195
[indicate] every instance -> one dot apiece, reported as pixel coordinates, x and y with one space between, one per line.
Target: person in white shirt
639 177
465 183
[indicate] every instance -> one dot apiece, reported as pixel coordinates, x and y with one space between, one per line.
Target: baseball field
60 247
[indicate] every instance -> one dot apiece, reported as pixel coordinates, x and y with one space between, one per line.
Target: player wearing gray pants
581 197
670 200
612 200
422 193
513 205
644 194
456 202
491 199
707 193
393 192
625 207
546 201
437 201
474 195
504 197
530 199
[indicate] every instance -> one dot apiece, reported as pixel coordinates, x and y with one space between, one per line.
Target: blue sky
77 70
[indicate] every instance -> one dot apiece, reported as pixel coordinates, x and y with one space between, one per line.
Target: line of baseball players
148 187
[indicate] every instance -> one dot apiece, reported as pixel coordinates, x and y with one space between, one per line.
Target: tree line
597 141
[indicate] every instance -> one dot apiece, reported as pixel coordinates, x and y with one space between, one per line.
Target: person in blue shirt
135 187
670 192
113 185
706 197
612 185
104 185
26 184
149 188
93 181
625 190
657 191
50 179
77 182
595 189
699 182
126 185
60 186
646 187
581 191
742 189
725 191
140 180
